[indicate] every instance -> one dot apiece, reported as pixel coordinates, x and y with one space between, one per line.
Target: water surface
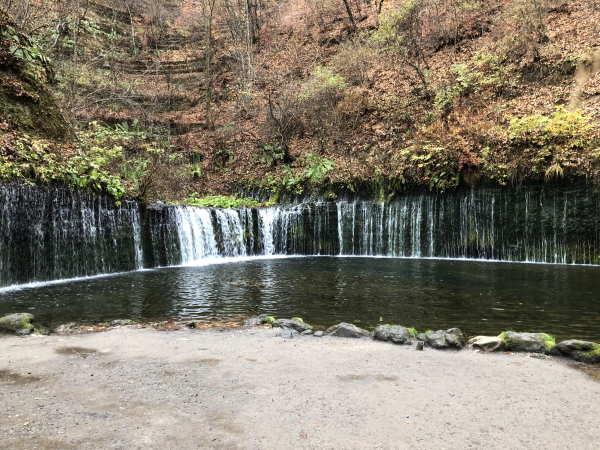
478 297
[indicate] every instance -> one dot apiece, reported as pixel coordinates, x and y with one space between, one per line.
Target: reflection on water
478 297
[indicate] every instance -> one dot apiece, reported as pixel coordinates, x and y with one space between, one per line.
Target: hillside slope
26 102
208 97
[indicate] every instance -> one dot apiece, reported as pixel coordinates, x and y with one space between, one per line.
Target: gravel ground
250 389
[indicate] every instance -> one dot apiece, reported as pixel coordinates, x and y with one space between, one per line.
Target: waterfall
197 239
266 220
53 233
49 233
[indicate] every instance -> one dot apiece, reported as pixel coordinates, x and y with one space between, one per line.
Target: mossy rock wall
26 101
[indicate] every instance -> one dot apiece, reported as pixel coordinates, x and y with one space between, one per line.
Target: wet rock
68 327
17 322
192 325
287 333
307 332
291 323
156 206
393 333
419 346
23 332
122 322
487 344
527 342
347 330
319 334
451 338
260 320
583 351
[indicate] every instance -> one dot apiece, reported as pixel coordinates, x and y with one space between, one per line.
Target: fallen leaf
409 422
318 421
303 435
25 424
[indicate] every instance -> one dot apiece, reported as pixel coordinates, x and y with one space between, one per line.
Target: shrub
353 62
221 201
562 141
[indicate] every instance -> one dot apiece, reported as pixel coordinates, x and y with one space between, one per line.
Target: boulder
487 344
347 330
260 320
287 333
291 323
527 342
318 334
307 332
122 322
68 327
450 338
17 322
583 351
393 333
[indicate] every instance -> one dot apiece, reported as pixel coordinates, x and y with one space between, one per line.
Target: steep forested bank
179 99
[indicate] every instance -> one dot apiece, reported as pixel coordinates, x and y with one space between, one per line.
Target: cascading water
196 234
52 233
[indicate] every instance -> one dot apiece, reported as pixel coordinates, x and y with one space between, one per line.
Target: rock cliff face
26 102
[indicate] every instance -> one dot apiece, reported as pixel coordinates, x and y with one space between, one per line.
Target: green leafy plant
223 157
561 141
270 154
196 171
221 201
317 167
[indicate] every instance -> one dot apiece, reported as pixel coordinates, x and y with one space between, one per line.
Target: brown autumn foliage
404 92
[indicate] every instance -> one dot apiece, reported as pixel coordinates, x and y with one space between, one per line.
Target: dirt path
587 69
248 388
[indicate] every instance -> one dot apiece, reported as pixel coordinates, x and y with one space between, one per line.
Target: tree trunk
349 11
208 50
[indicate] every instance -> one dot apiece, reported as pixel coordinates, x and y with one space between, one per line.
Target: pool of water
478 297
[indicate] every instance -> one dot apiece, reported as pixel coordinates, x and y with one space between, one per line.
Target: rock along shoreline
451 339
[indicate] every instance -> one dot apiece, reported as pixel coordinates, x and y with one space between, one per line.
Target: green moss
25 323
26 102
16 322
504 336
297 319
27 105
221 201
549 341
593 353
413 331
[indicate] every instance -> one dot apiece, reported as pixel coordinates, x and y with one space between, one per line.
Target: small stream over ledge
52 233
